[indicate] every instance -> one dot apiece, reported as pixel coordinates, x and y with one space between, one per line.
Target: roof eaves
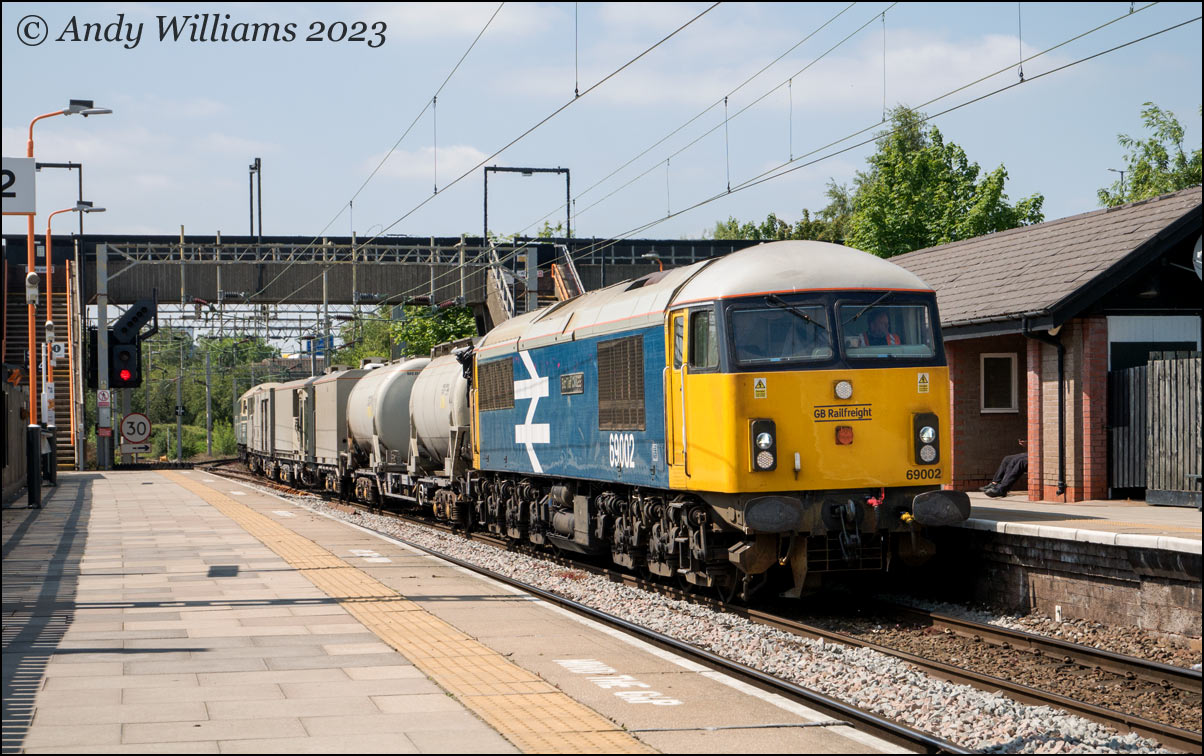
1114 275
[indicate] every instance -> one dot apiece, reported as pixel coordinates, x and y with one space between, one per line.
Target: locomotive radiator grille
621 384
524 709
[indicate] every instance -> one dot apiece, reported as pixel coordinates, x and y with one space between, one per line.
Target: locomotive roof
781 267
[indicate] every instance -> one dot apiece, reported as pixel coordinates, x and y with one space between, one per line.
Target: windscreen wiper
875 303
776 301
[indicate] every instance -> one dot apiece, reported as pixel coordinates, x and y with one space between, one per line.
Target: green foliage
917 192
920 191
163 441
829 224
376 335
230 361
422 329
366 336
224 440
1156 165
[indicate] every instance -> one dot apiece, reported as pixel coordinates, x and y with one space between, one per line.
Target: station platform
1108 522
177 612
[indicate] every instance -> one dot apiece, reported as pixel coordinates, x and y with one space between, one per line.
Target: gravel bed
1107 689
1120 639
981 721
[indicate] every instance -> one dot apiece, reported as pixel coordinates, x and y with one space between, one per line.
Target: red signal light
125 374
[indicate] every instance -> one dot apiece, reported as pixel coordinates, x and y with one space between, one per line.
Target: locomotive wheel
727 594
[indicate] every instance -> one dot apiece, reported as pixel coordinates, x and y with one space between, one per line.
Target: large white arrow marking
533 388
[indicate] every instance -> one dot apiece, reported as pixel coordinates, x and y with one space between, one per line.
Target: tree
917 192
920 191
422 329
1156 165
829 224
366 336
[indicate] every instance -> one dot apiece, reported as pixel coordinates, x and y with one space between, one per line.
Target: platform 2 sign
18 186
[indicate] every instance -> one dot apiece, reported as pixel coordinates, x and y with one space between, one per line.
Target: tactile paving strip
530 713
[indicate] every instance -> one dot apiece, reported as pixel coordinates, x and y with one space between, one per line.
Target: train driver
879 333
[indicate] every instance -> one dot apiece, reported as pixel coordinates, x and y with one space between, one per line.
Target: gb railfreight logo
196 28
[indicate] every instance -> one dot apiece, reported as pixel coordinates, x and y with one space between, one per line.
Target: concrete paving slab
362 743
368 687
441 721
294 707
226 729
260 692
157 748
121 713
748 740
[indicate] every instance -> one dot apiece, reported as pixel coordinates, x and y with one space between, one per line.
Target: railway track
1056 654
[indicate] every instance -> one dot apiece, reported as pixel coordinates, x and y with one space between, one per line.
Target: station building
1107 289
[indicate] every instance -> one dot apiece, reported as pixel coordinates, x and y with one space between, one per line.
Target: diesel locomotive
772 415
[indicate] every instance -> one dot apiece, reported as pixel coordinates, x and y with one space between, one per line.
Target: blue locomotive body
557 426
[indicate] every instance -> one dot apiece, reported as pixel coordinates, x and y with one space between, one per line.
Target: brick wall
1086 411
1036 458
1151 589
981 439
1093 400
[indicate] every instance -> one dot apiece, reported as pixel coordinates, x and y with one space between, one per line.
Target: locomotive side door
676 446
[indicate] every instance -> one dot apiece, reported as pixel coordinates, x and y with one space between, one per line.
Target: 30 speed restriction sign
135 428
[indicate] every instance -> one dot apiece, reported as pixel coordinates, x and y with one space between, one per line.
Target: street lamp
255 171
33 433
1122 180
654 256
48 380
84 108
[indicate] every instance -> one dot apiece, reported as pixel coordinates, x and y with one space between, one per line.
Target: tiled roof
1029 270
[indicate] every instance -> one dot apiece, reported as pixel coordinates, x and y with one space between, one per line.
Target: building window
496 384
997 378
621 384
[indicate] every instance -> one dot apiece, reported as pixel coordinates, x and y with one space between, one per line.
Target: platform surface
177 612
1115 522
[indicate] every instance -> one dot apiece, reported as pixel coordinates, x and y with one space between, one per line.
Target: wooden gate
1173 442
1127 435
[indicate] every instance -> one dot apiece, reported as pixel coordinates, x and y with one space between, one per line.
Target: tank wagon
781 410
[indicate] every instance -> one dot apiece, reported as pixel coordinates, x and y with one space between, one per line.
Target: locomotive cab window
704 340
877 331
780 332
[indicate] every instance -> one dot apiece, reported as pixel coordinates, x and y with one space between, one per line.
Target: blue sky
190 116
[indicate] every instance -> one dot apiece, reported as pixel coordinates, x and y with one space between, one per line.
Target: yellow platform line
530 713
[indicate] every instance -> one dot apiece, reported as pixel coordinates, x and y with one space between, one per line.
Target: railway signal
125 365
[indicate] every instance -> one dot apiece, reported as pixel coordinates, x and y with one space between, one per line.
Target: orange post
70 357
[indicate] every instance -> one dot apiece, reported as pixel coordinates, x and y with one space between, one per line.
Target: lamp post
33 432
1122 180
255 176
84 108
653 256
48 381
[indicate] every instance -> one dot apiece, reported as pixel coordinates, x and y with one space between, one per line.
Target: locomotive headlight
844 390
926 429
763 445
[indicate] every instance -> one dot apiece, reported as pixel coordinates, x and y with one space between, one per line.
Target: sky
190 116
